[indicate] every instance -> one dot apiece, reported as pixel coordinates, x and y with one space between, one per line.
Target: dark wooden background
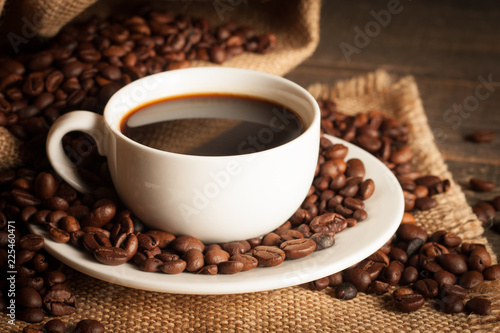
447 46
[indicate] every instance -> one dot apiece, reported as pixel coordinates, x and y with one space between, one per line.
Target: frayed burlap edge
298 309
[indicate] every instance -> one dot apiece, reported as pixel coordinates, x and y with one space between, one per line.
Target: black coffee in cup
212 124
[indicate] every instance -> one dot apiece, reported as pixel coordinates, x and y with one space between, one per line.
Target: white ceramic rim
214 71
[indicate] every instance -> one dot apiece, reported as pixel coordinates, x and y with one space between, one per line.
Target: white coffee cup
212 198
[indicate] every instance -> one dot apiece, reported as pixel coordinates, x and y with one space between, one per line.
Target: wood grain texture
450 47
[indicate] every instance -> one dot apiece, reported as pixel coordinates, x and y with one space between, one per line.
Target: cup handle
84 121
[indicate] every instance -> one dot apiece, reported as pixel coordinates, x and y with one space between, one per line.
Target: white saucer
385 209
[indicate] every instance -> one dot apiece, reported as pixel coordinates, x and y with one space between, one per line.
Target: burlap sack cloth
295 22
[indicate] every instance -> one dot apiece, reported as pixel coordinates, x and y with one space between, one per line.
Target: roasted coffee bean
481 185
34 329
268 255
452 290
398 254
410 199
298 248
349 190
35 283
380 257
355 168
31 242
59 235
451 240
345 291
56 215
112 256
328 222
28 315
271 239
409 302
496 203
421 191
407 232
485 212
147 241
492 272
444 277
45 185
52 278
451 304
230 267
483 136
401 155
402 292
470 279
483 254
358 277
319 284
53 81
408 276
379 287
55 326
453 263
208 270
433 249
23 198
39 263
28 297
371 267
99 216
151 265
428 288
248 261
91 241
335 279
366 189
214 257
173 266
194 260
59 302
323 240
184 243
392 273
425 203
69 224
89 326
478 305
476 263
236 247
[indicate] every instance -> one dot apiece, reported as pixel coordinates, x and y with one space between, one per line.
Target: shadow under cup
213 198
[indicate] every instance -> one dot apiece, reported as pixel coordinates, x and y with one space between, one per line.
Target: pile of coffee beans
58 326
387 139
81 68
415 265
86 63
485 210
40 286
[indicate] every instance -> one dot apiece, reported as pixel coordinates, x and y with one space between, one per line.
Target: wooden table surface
451 48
